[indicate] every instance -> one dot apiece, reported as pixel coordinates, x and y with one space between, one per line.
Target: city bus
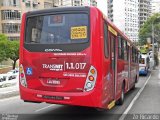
75 56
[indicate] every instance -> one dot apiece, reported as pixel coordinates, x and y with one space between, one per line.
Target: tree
3 37
13 51
146 30
3 47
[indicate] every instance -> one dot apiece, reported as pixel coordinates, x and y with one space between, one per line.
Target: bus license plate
53 97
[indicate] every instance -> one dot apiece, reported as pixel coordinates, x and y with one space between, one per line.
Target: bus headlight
91 79
22 77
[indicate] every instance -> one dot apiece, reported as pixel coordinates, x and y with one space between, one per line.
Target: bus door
113 64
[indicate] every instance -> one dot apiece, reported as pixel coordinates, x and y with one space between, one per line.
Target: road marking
44 108
134 100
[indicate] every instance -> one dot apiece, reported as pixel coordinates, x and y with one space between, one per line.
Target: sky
102 5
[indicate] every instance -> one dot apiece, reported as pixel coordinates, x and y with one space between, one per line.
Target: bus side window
106 51
119 47
125 50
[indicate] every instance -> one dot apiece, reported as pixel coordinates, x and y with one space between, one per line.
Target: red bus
75 56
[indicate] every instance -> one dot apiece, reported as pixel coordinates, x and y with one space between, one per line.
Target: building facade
125 16
75 3
11 13
10 18
144 11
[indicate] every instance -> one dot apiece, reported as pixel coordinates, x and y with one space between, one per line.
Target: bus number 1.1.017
75 66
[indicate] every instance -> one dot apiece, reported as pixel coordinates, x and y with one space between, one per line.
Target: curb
9 94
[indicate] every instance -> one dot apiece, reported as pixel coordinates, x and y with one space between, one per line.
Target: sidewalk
7 92
149 100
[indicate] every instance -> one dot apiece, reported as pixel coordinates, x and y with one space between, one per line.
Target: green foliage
3 47
3 37
13 51
146 29
143 50
9 49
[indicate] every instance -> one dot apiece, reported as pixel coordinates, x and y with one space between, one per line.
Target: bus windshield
57 29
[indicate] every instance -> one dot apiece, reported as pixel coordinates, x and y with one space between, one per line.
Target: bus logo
53 50
54 67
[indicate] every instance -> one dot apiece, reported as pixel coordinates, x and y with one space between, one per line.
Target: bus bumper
88 99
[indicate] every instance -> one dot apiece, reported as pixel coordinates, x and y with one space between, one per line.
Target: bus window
120 48
57 29
106 40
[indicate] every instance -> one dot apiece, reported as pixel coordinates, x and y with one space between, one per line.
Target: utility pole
153 45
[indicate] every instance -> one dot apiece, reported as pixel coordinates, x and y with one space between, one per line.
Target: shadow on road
72 113
81 113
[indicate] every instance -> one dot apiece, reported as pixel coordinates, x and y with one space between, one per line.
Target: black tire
120 101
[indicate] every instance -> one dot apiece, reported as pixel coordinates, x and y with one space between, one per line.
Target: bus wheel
121 99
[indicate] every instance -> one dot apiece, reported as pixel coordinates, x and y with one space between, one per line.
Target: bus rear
56 64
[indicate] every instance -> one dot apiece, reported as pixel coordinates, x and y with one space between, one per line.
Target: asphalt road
17 109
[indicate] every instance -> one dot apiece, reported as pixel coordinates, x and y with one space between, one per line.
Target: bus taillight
22 76
91 79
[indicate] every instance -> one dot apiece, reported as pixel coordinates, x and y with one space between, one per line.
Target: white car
3 79
9 78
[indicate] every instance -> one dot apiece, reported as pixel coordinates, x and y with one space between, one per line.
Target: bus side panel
106 84
133 73
120 77
126 75
96 46
133 70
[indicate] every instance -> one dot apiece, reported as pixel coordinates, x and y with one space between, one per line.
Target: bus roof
58 9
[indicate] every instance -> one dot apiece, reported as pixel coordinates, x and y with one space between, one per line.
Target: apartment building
144 11
125 15
75 3
11 13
